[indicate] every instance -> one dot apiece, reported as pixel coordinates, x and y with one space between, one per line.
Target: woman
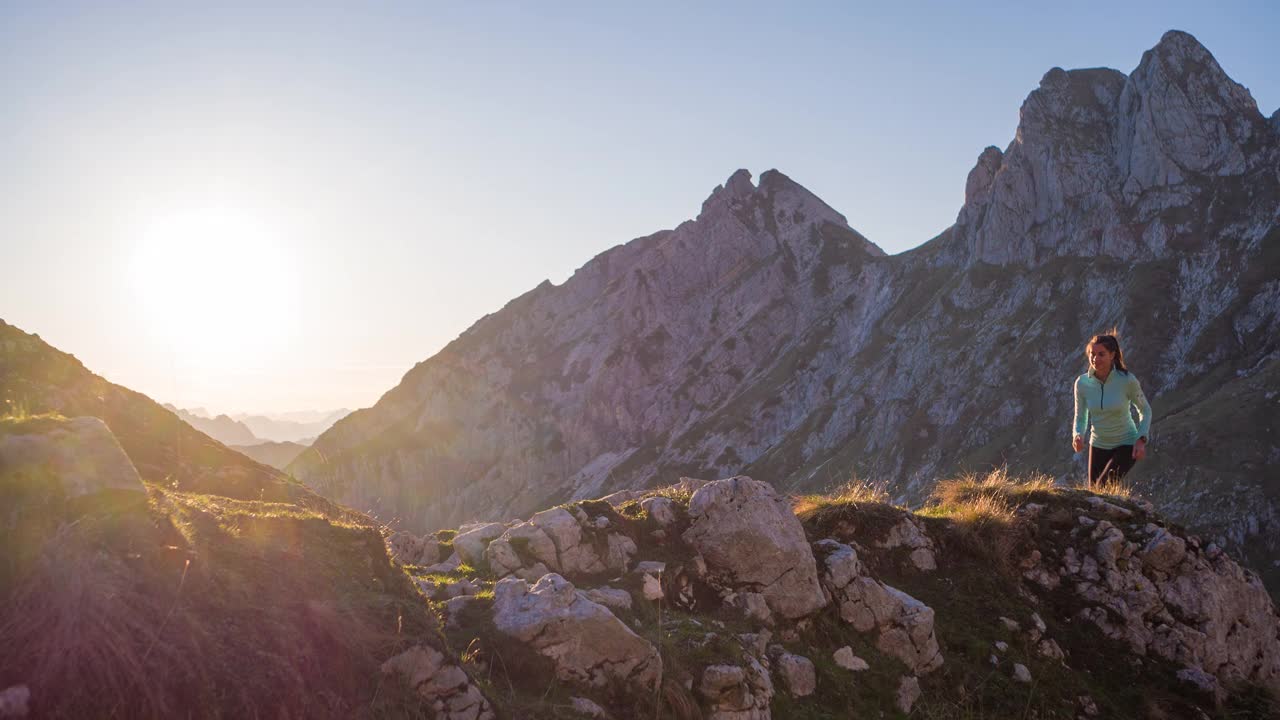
1104 394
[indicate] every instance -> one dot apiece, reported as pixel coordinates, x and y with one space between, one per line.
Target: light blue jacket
1107 404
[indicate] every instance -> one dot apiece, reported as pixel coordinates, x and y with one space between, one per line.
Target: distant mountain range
300 427
769 337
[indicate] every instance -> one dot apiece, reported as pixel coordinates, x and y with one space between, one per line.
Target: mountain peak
1181 115
738 186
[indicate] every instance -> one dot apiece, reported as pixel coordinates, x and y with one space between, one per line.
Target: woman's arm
1139 400
1080 422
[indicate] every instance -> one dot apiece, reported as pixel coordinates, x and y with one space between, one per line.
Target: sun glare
216 287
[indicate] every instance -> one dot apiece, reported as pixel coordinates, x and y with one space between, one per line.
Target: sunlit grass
1113 487
996 484
855 491
17 420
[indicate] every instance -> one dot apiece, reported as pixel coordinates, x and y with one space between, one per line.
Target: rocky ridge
1098 593
767 336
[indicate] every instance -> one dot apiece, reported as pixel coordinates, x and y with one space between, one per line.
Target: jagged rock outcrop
587 643
1165 595
767 337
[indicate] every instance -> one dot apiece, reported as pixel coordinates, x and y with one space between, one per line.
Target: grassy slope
231 591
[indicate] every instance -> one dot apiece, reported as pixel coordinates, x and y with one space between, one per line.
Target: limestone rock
445 567
587 644
904 624
1163 551
661 509
471 541
737 692
750 539
1021 673
610 597
909 533
444 685
81 454
797 673
908 693
845 658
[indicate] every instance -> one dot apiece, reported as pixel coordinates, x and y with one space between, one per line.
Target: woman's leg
1101 461
1116 463
1122 460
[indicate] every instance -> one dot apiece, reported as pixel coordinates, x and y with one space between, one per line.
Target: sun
216 287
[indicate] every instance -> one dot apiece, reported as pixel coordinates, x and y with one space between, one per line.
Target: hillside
276 454
766 336
148 571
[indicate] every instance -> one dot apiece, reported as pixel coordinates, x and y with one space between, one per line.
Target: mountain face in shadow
767 336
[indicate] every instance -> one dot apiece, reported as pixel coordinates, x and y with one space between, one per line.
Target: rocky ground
723 600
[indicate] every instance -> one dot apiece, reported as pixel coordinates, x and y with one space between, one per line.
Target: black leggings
1116 462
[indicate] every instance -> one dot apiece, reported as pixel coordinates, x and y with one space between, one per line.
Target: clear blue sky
400 170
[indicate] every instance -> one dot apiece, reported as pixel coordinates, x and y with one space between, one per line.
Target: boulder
737 692
661 509
1163 551
471 541
447 566
797 673
845 658
751 540
587 644
81 454
904 624
610 597
445 686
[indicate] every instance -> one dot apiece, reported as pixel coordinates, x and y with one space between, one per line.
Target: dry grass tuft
853 492
983 513
969 487
1112 486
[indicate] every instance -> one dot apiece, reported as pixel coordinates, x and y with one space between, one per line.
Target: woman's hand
1140 449
1077 444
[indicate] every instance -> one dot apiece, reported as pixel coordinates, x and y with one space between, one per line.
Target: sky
268 208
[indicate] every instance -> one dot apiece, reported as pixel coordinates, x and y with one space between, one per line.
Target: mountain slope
276 454
767 336
149 571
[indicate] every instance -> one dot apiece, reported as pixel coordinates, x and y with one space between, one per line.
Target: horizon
373 190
